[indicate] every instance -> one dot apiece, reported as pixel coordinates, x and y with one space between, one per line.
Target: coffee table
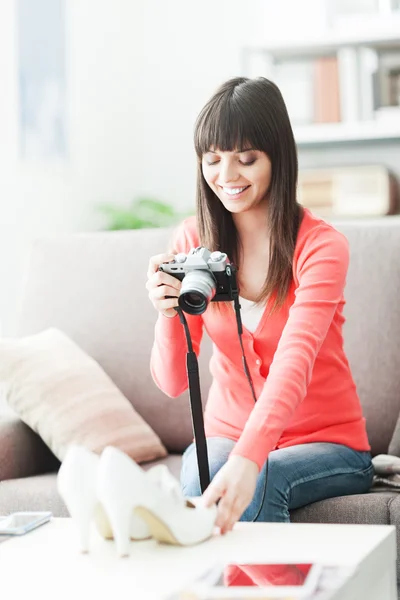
46 562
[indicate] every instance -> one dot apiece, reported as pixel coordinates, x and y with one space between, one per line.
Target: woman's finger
213 493
160 293
157 260
236 513
164 305
225 509
159 278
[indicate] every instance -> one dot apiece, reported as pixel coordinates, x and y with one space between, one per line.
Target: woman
304 439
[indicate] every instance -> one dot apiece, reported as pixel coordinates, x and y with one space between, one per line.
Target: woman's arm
321 272
168 356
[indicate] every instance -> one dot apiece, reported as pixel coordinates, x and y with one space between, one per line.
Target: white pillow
66 398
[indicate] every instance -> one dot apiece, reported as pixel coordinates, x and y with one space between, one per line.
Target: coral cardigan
303 384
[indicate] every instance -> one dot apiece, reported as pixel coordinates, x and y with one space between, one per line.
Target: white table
46 563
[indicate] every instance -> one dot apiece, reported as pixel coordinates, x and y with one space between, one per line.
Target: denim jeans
290 478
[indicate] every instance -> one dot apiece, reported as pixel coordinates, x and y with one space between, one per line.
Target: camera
206 277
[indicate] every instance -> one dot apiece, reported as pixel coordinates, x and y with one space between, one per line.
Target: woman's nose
228 172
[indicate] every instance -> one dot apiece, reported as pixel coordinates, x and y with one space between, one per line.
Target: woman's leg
299 475
218 453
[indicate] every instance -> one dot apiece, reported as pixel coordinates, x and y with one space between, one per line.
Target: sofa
92 286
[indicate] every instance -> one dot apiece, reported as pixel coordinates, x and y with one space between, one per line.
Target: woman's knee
270 500
218 450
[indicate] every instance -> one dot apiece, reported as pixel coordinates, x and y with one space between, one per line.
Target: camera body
206 277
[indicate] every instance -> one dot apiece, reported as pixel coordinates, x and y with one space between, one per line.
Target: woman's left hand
234 485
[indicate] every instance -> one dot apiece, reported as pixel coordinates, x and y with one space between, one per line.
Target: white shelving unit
330 133
379 33
320 46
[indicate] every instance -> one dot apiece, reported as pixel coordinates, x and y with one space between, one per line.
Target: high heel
77 483
155 497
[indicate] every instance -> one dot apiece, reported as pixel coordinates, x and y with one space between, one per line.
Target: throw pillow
66 398
394 446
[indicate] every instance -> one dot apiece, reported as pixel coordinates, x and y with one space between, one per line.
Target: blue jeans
290 478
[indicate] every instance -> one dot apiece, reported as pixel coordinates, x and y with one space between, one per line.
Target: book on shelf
389 71
326 90
349 89
368 64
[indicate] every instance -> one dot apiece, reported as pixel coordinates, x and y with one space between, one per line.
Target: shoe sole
104 528
159 529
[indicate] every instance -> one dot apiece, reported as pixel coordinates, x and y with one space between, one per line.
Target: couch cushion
372 508
394 519
372 329
394 446
173 462
23 453
32 493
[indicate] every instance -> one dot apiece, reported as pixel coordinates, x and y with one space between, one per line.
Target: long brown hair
251 112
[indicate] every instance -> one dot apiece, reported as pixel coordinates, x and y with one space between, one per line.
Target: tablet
19 523
256 580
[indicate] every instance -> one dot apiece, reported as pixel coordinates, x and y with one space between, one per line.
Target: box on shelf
356 191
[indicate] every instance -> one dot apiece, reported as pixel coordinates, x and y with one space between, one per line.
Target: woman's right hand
160 285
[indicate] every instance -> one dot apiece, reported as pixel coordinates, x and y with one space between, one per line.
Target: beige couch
92 286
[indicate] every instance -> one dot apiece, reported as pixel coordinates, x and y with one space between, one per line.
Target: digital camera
206 277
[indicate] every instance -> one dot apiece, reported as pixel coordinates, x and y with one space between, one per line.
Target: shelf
334 133
380 37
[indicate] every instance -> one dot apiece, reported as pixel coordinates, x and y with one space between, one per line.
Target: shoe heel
119 487
76 484
120 521
82 517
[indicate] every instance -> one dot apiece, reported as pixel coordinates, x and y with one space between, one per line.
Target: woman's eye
245 163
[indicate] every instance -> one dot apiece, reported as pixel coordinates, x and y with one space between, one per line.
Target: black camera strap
196 407
192 369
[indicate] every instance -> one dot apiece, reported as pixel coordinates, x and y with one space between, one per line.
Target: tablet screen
263 575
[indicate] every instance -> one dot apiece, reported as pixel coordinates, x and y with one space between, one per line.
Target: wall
137 75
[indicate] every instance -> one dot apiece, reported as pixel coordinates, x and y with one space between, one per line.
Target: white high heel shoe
77 485
155 496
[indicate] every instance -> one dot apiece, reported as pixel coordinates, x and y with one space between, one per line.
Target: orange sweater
303 384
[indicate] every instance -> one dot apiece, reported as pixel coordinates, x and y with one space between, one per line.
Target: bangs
225 124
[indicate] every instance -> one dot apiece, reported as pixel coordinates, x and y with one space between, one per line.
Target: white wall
137 74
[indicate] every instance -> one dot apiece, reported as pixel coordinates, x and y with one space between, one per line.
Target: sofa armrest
22 452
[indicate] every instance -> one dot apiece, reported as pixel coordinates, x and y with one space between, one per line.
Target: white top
251 313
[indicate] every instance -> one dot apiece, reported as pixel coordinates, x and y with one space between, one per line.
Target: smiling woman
240 133
304 439
231 174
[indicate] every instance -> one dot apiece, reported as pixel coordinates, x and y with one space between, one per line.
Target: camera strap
192 368
196 407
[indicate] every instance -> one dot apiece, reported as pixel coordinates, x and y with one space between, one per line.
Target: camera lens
198 289
194 300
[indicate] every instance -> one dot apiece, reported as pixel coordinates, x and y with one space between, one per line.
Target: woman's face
240 178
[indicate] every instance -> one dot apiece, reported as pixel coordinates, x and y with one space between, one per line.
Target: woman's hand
234 485
160 285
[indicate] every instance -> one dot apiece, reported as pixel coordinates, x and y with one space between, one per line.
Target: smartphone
19 523
256 580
